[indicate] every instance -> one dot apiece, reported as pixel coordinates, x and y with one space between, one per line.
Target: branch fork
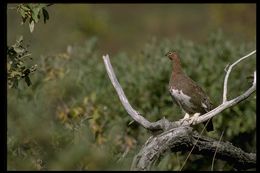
174 132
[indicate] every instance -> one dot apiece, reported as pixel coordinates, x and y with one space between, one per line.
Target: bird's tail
209 126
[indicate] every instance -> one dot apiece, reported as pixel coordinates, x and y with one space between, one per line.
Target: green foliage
71 118
33 12
17 56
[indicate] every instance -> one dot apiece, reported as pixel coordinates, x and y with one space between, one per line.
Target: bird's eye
170 53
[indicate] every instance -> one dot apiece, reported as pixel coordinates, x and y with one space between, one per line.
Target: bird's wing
198 95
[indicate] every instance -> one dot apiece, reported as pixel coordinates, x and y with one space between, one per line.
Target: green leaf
31 6
26 72
15 74
24 20
31 25
131 122
15 84
42 6
35 14
20 39
22 12
18 50
45 15
27 80
9 65
25 8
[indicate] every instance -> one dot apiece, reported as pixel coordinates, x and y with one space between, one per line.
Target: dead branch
228 73
227 104
178 136
183 139
162 124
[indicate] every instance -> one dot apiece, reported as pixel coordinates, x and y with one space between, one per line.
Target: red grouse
189 96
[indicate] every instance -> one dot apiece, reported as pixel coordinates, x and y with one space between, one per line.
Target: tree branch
183 139
162 124
227 104
228 72
133 113
178 136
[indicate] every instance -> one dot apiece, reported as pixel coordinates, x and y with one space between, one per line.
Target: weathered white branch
228 73
226 104
177 134
133 113
183 139
164 124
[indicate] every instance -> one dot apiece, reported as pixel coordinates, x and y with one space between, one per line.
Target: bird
188 95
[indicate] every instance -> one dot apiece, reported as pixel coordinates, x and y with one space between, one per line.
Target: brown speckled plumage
182 87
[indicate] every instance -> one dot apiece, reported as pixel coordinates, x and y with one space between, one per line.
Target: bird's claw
194 118
185 118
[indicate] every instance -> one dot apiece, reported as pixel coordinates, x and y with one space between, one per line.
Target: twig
194 145
124 154
228 72
133 113
225 69
212 165
227 104
162 124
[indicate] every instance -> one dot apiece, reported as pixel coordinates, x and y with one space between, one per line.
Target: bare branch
183 139
178 136
226 105
133 113
162 124
228 73
212 165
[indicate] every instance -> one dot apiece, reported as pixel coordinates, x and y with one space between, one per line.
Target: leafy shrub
71 117
17 56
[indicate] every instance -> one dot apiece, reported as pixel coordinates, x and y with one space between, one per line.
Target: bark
178 135
183 139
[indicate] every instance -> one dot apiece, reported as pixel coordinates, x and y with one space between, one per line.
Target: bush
71 117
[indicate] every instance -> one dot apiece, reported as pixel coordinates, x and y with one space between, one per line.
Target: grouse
188 95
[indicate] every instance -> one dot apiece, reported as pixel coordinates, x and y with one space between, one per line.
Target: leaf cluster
17 56
33 13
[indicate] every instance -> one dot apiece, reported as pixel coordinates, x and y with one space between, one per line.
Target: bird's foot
185 118
194 118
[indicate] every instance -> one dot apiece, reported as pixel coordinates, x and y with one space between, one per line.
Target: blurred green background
71 117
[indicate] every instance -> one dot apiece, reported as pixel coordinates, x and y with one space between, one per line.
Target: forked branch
164 124
179 135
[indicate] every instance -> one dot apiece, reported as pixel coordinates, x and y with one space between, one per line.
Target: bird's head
172 55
